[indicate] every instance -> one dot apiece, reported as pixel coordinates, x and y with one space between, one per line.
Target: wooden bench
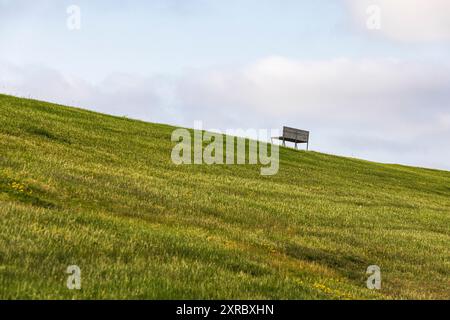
295 136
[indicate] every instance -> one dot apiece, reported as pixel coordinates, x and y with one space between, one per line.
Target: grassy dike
101 192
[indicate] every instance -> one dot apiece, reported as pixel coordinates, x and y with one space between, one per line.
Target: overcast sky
378 94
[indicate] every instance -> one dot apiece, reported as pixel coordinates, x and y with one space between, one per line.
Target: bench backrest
296 134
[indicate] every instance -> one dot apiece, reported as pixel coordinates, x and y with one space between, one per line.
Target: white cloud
408 20
147 98
342 89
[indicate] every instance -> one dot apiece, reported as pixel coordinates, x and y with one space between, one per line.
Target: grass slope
101 192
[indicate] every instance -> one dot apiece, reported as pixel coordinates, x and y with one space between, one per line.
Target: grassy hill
101 192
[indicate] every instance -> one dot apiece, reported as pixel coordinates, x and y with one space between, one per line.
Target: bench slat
295 135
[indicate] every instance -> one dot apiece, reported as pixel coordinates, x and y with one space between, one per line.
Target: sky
369 78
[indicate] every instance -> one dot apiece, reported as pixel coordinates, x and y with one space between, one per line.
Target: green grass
101 192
